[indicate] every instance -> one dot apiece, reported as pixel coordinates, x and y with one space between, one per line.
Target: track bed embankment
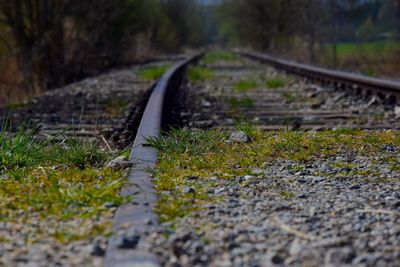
272 170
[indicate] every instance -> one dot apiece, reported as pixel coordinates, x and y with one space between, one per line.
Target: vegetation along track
108 106
319 187
57 195
229 193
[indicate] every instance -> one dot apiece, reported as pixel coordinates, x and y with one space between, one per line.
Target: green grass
243 86
371 59
345 50
235 103
56 182
290 97
219 56
80 153
199 74
152 73
276 83
16 106
20 150
115 106
185 153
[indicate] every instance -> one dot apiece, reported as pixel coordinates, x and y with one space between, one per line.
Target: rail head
392 87
133 221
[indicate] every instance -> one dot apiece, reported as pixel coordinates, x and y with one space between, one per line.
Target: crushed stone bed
334 208
293 214
99 106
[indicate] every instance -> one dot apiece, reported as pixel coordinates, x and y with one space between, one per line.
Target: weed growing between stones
235 103
52 185
152 73
276 83
243 86
199 74
192 155
216 57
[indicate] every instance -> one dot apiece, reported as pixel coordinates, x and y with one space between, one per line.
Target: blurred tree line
302 27
55 42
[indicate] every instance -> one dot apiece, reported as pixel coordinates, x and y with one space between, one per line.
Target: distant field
373 59
350 49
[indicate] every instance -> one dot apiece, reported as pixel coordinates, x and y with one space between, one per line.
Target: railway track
222 94
105 108
248 90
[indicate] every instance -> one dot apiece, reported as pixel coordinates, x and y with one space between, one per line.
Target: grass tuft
199 74
219 56
20 149
57 182
152 73
80 153
193 143
235 103
243 86
115 106
276 83
204 154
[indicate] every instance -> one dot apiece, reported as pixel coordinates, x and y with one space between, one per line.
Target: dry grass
12 90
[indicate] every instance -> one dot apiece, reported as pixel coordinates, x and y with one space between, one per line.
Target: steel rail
135 220
338 78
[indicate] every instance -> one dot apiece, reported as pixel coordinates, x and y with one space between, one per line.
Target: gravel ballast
286 217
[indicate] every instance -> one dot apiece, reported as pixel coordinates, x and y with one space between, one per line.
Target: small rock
397 111
204 124
206 104
119 163
389 147
277 259
4 177
373 101
296 124
239 137
369 259
129 241
257 171
316 105
98 247
189 190
148 221
338 256
109 205
354 187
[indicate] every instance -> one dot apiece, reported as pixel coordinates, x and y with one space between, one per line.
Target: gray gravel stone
320 225
120 163
239 137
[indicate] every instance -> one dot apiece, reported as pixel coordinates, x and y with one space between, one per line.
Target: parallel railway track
250 91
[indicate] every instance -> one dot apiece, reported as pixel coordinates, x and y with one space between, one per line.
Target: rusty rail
135 220
340 79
